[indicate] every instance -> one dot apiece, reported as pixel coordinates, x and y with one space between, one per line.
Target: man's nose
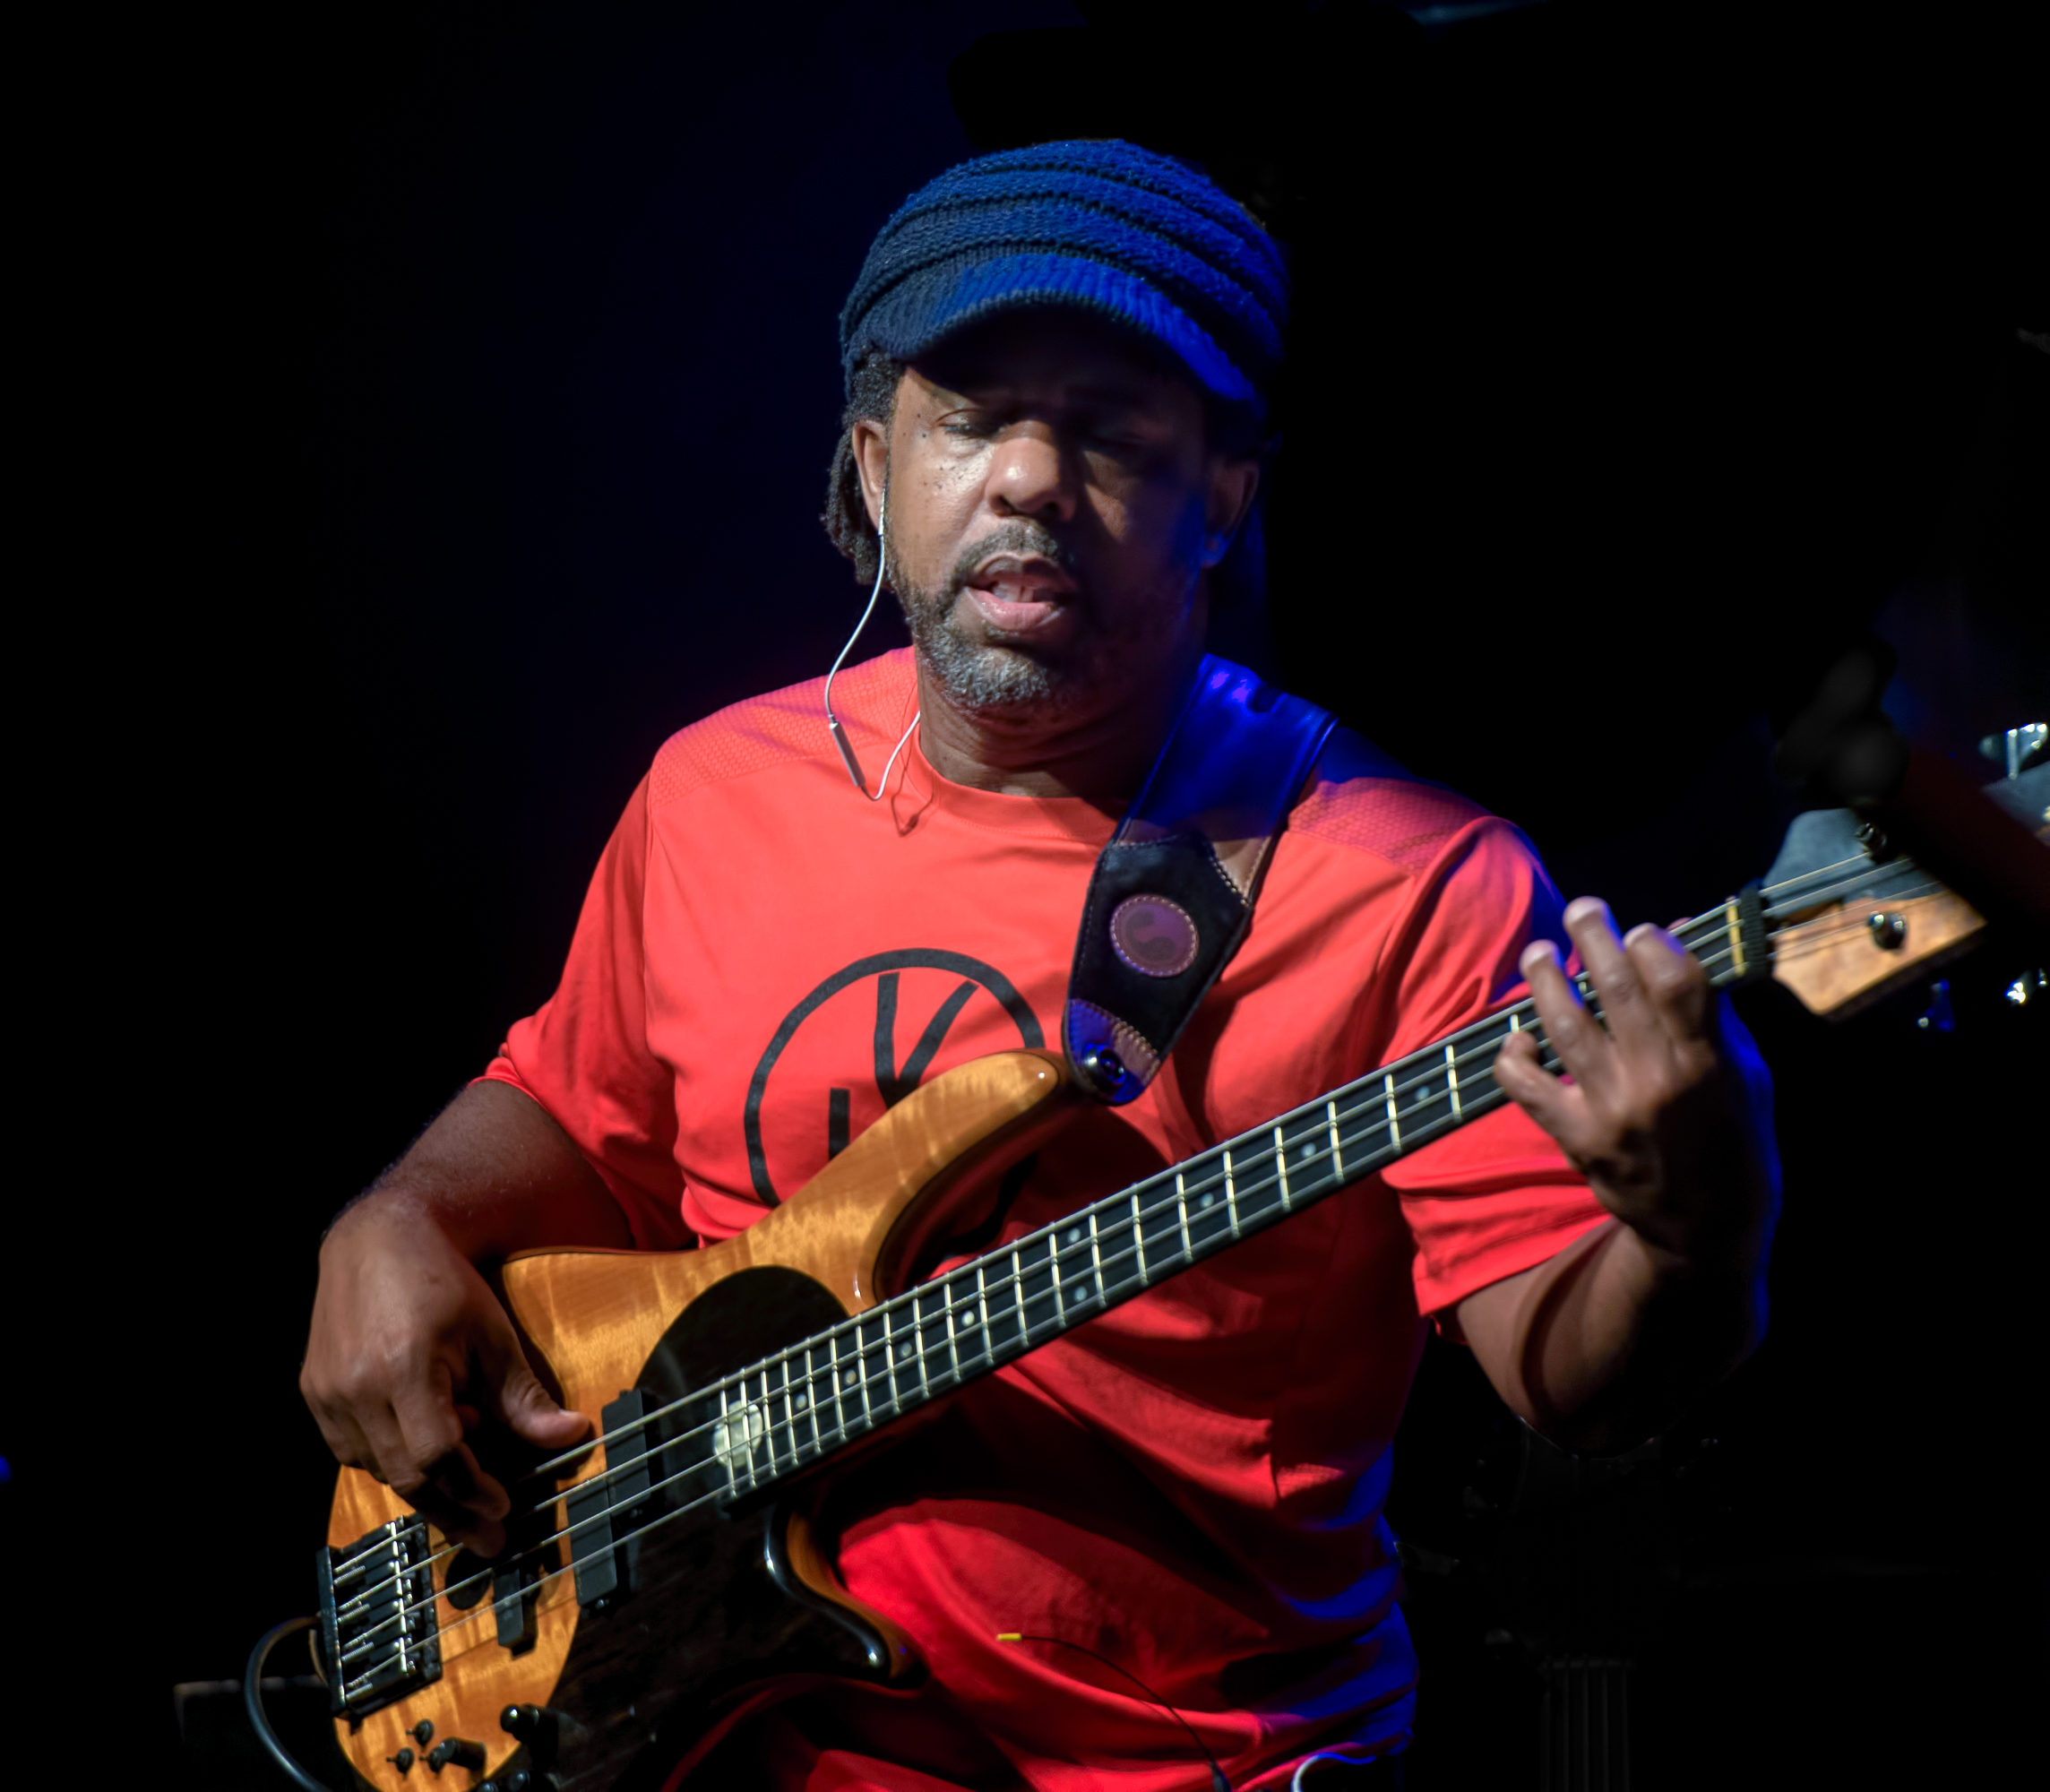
1030 476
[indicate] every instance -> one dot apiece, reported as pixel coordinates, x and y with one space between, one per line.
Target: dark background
432 412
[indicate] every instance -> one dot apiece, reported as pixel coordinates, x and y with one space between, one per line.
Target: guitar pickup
606 1510
516 1599
532 1556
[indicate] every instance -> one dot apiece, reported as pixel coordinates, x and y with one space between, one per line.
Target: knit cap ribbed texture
1130 234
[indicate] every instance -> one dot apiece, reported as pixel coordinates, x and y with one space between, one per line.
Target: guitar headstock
1851 920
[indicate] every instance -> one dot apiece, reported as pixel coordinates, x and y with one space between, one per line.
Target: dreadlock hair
1240 578
871 398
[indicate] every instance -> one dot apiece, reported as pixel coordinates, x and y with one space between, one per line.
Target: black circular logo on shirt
893 1082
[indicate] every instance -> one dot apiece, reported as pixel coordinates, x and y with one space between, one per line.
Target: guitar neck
794 1408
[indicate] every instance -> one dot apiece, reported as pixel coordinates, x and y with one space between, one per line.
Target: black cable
1218 1783
253 1702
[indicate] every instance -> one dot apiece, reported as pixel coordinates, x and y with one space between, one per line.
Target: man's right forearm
496 1174
410 1346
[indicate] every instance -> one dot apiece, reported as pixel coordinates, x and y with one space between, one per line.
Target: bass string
1030 1335
1828 931
1371 1092
1787 911
1374 1089
1709 925
1067 1313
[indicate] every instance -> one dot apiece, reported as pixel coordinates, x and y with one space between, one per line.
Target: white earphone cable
832 722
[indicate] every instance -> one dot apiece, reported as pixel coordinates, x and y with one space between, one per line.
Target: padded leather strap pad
1174 890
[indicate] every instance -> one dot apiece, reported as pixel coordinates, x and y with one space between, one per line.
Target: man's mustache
1022 538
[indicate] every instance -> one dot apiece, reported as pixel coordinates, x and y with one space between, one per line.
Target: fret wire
1230 1194
1388 1088
789 1423
953 1332
747 1439
808 1392
1182 1209
892 1365
768 1431
862 1376
997 1308
890 1361
1024 1323
1281 1169
861 1372
1018 1290
896 1352
1139 1242
1096 1255
1452 1078
781 1364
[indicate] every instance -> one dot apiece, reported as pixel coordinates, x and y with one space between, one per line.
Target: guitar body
722 1612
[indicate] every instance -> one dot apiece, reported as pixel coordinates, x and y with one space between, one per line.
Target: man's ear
871 443
1234 484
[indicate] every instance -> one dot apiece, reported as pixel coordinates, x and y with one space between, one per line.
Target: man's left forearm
1666 1108
1600 1347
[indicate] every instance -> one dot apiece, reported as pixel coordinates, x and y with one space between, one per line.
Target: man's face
1053 504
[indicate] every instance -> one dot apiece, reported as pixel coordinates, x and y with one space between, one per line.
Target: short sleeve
584 1055
1498 1196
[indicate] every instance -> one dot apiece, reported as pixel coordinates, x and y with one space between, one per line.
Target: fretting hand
1668 1111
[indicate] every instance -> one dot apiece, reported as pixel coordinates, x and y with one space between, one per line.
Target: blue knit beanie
1137 237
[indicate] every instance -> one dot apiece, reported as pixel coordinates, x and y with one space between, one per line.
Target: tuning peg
2014 750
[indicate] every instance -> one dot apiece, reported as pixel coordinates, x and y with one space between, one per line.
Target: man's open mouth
1020 594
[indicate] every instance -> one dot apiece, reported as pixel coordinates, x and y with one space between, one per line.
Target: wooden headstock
1852 920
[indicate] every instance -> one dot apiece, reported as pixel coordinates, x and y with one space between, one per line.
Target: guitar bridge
379 1637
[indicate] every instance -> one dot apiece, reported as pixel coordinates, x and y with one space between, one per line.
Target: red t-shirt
1191 1484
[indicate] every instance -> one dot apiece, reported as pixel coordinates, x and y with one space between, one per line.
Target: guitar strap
1172 893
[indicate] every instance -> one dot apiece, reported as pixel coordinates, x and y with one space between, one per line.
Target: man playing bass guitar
1060 364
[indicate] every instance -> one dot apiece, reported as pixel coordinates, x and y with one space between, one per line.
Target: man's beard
981 676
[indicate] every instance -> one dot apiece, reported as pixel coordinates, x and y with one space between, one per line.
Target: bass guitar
675 1573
